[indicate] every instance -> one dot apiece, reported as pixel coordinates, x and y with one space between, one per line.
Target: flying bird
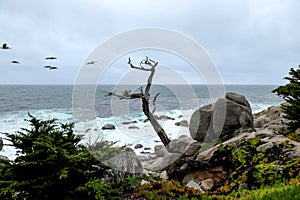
50 67
91 63
50 58
15 62
4 46
53 68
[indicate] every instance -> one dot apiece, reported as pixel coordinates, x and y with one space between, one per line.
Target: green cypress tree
291 94
50 163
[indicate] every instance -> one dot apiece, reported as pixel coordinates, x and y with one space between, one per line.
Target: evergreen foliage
291 94
50 163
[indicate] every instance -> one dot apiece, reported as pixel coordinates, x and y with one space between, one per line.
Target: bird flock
6 47
49 67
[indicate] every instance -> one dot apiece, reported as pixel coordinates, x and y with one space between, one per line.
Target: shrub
166 190
291 94
255 169
50 162
290 134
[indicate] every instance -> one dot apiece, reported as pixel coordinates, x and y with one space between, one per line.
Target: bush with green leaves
252 168
291 94
50 164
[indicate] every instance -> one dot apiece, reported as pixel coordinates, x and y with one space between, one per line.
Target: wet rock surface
221 119
108 127
206 165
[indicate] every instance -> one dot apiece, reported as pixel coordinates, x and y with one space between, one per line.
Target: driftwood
147 65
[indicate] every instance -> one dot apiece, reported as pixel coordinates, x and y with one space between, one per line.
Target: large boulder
240 99
238 116
126 161
221 119
177 146
162 163
200 123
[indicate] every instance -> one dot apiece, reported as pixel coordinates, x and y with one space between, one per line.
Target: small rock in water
138 146
147 148
129 122
183 123
133 127
108 127
165 117
145 152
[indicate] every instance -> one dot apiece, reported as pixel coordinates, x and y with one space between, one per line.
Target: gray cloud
251 42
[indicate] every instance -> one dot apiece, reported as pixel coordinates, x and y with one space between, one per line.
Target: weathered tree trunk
157 127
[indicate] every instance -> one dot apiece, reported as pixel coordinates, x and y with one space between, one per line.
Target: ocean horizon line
229 84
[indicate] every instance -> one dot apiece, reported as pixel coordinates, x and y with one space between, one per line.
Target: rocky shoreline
242 152
247 144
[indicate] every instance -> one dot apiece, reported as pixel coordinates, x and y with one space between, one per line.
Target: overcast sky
250 41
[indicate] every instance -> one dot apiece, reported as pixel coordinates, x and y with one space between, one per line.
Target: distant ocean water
55 101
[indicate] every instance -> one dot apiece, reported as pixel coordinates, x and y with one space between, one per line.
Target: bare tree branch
149 62
126 95
144 64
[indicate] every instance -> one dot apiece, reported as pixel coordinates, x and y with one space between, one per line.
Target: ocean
57 101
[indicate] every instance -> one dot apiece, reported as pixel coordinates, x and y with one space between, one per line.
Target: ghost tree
147 65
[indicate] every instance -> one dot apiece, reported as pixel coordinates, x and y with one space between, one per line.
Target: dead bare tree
147 65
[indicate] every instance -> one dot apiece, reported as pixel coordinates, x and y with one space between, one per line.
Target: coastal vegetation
51 164
291 94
